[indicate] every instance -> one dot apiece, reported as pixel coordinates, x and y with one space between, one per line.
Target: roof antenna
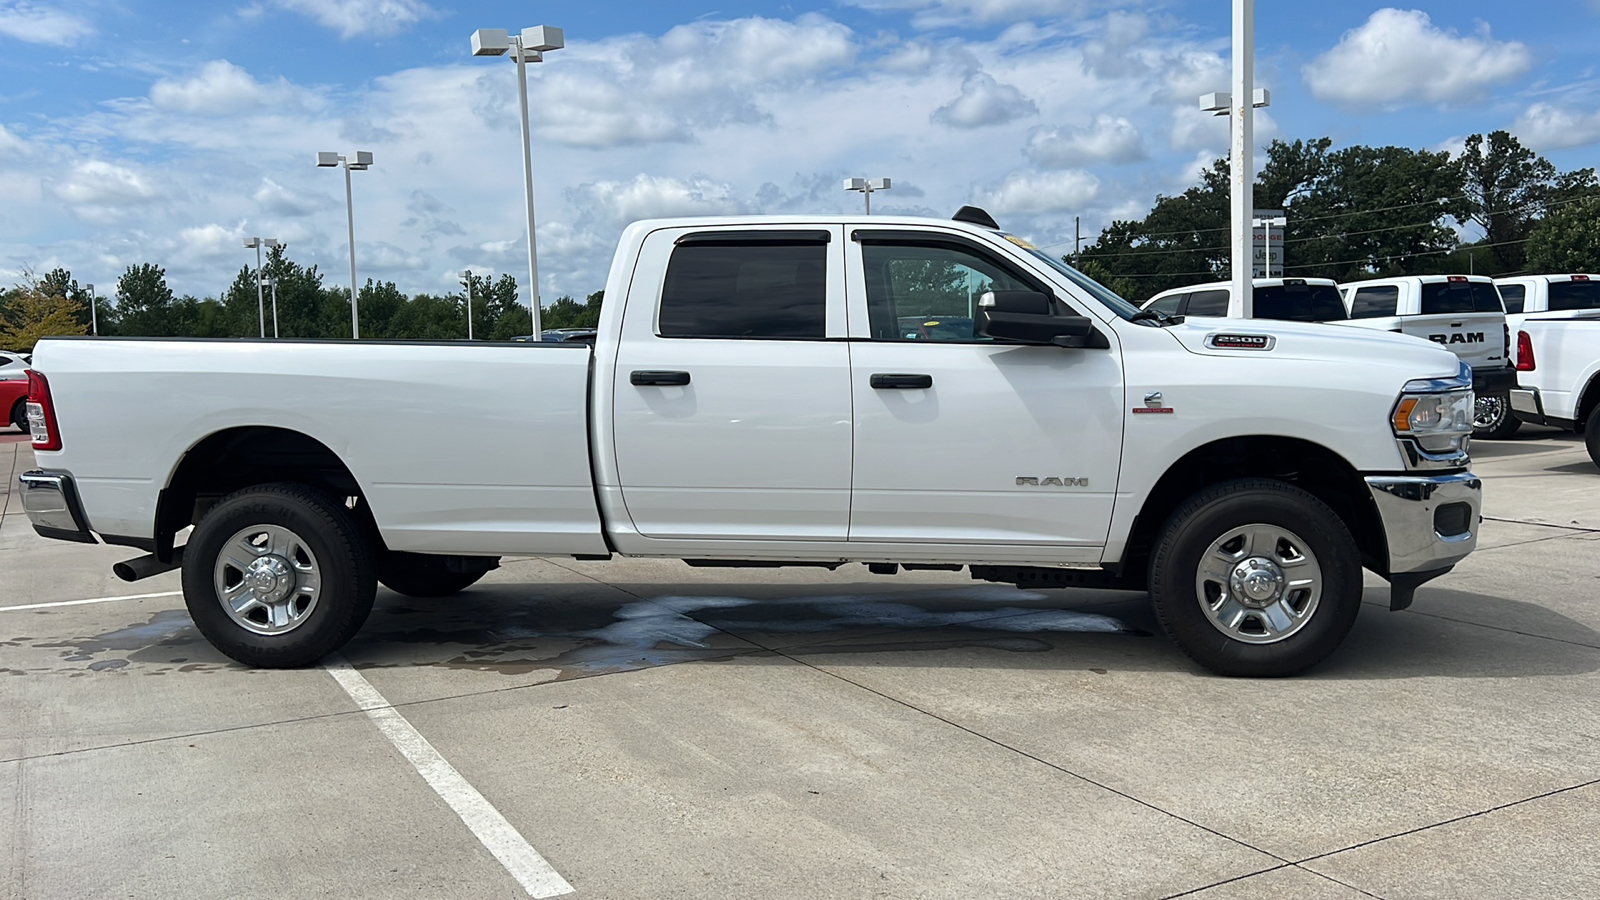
976 216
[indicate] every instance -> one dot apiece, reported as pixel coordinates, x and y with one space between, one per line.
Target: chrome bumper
51 502
1526 405
1430 523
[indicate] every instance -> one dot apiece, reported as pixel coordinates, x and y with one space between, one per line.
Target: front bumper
51 502
1430 523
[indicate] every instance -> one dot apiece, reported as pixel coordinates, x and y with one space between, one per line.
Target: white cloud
96 183
651 197
220 88
279 200
1025 193
984 101
354 18
1545 126
211 241
1399 57
1109 139
42 24
942 13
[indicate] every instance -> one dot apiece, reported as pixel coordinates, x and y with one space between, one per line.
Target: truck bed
468 448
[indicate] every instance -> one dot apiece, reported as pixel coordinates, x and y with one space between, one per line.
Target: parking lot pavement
652 730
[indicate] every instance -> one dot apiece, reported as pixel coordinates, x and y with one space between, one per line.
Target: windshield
1299 303
1575 295
1094 288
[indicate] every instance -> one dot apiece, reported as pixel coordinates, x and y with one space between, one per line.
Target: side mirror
1029 317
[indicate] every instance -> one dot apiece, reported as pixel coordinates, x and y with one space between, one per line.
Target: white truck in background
1462 313
1558 376
752 398
1284 299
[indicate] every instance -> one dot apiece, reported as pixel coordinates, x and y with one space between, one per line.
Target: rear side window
746 290
1207 303
1575 295
1375 302
1168 305
1514 295
1451 297
1299 303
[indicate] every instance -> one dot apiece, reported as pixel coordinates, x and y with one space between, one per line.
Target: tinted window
1513 295
928 293
1575 295
1374 302
745 290
1299 303
1449 297
1168 305
6 361
1207 303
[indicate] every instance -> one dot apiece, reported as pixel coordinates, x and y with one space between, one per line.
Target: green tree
144 302
1506 187
32 314
1568 239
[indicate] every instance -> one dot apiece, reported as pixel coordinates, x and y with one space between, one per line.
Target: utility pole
1077 239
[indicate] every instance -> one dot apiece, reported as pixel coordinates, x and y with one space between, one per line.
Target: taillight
42 414
1524 352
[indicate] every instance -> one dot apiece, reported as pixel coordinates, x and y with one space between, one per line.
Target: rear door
731 404
1464 316
963 439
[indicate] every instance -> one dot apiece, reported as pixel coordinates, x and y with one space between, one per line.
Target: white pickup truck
1558 376
754 397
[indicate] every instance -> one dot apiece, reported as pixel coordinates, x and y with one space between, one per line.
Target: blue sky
134 131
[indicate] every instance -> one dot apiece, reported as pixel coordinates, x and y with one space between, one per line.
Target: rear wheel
19 414
1591 435
1256 578
422 575
278 576
1493 419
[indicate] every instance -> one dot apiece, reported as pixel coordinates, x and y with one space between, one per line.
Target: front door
962 439
732 407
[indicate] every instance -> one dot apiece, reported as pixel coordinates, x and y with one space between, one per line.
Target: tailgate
1478 338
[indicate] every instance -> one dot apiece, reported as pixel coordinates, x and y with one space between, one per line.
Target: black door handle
643 377
883 381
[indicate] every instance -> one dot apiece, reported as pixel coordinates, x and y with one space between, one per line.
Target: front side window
1514 295
929 292
1452 297
1168 305
1207 304
1575 295
754 290
1375 302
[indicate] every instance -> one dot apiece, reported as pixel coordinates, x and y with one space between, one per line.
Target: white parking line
496 834
92 600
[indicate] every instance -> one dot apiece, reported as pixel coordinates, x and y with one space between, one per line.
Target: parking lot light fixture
94 320
256 243
866 186
361 162
528 46
468 276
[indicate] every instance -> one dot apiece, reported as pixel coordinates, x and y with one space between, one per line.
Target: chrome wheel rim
1259 584
267 579
1488 412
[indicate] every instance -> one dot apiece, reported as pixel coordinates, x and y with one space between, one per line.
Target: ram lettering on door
1471 337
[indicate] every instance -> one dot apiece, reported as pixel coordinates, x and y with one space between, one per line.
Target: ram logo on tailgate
1469 337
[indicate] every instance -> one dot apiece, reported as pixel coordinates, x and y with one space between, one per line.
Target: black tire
1495 421
423 575
339 555
1591 435
1209 516
19 414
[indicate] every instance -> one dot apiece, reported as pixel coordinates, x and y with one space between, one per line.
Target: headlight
1436 413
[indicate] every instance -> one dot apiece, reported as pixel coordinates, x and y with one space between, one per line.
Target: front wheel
278 576
1256 578
1492 417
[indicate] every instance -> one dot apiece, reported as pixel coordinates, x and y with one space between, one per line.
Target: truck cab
1284 299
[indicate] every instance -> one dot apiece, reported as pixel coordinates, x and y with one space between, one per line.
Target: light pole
468 275
256 243
529 46
94 320
866 186
1268 222
1241 103
271 281
363 161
